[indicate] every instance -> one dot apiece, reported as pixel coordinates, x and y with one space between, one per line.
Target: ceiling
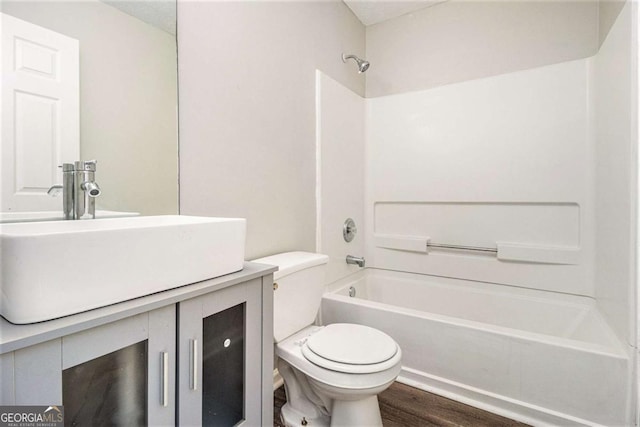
162 13
373 11
159 13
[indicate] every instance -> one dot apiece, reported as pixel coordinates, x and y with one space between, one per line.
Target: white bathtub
535 356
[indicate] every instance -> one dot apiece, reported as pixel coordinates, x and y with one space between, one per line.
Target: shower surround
536 165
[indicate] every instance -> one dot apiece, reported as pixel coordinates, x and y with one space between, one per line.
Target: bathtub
539 357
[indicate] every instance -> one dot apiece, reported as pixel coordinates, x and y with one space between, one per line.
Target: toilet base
351 413
347 413
292 418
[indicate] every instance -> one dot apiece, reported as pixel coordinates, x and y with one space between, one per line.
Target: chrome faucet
85 190
359 261
79 190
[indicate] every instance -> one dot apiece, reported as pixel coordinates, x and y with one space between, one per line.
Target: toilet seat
290 350
350 348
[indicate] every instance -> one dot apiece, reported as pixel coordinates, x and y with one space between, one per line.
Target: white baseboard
495 403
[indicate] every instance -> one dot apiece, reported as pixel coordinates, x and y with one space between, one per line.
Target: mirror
127 113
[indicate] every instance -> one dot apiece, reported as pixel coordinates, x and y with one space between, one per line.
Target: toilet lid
352 344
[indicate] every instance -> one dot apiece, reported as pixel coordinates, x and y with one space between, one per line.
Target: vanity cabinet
197 355
90 371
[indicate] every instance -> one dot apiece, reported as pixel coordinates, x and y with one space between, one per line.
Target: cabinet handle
193 350
164 380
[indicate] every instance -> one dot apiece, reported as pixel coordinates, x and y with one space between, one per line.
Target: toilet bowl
332 374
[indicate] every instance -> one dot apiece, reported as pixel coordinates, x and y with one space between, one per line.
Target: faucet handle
55 190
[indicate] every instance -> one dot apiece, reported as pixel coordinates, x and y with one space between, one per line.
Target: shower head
363 65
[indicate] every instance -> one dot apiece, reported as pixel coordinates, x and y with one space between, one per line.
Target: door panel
40 113
223 368
108 390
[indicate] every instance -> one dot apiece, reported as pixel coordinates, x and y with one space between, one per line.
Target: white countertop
14 337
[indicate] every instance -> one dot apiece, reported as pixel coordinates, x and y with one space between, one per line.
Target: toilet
332 374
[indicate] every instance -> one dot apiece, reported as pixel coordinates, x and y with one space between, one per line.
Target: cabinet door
122 373
220 352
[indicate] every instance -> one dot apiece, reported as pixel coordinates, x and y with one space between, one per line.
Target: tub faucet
359 261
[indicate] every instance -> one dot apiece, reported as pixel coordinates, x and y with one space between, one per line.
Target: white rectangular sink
53 269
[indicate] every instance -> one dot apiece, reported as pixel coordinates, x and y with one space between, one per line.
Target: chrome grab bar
462 248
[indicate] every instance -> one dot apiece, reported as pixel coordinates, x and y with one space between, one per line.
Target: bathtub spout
359 261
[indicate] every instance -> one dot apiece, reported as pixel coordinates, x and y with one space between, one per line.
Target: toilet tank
300 283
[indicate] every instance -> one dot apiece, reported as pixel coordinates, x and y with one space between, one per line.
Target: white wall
457 41
505 158
128 100
615 165
340 156
247 111
608 11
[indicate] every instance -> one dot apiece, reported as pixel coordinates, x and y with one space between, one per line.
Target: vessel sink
57 268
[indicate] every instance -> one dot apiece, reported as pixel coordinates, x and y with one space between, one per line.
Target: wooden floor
401 405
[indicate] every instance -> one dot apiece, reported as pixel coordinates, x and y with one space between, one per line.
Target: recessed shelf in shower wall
536 232
504 251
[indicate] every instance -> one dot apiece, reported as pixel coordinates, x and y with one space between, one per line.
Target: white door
40 113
